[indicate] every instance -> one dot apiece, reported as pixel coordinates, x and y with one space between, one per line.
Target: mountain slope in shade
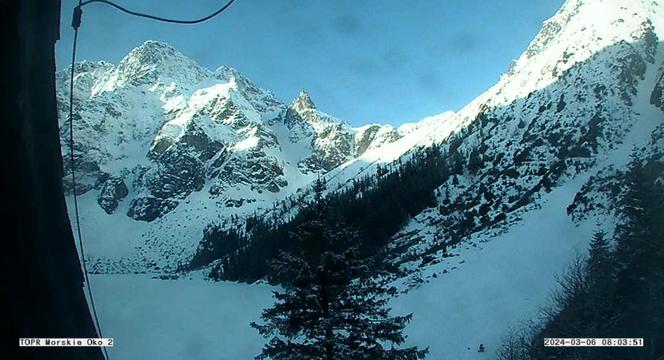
164 147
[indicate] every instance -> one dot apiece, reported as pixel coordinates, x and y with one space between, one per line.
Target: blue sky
363 61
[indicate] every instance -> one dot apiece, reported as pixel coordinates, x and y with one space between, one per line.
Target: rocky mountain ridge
157 128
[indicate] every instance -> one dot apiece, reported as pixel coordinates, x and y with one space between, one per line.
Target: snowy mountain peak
303 111
153 52
303 102
593 23
578 32
157 62
227 73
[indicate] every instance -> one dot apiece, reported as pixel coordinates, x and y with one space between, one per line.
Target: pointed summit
152 60
224 72
303 102
303 111
152 52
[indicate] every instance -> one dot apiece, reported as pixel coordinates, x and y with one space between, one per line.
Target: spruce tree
331 307
600 260
600 273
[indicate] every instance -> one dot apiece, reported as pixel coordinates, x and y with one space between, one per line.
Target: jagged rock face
153 61
176 145
552 27
374 136
111 191
657 95
332 141
303 103
149 208
332 146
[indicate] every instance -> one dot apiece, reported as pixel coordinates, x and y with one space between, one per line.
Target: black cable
76 23
158 18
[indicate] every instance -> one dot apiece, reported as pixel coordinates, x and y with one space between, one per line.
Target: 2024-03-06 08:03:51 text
599 342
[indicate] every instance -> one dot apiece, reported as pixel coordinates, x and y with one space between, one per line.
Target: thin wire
158 18
76 24
73 182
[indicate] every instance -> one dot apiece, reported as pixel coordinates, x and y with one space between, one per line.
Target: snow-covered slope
591 54
584 93
165 147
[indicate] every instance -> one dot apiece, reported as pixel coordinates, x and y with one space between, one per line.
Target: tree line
376 206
